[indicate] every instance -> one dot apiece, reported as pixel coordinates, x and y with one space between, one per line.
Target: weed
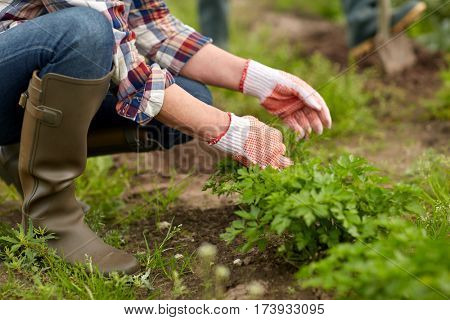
102 186
25 248
214 277
160 260
157 202
432 174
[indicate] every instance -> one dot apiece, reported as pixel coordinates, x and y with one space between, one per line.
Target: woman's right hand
252 142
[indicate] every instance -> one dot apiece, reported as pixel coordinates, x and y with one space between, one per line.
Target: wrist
218 128
233 140
257 80
214 141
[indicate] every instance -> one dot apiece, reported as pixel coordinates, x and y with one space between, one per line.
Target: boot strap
48 116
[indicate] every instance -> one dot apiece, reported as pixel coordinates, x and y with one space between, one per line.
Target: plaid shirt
151 45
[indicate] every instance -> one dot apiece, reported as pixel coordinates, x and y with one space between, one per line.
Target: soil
201 226
204 217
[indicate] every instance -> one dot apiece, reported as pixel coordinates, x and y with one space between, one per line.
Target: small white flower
179 256
222 272
237 262
163 225
256 289
207 251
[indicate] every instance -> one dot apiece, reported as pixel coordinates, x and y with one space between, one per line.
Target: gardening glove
253 142
297 104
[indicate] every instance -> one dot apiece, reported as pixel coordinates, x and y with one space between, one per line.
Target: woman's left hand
298 105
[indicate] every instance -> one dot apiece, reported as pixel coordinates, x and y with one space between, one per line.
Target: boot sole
400 26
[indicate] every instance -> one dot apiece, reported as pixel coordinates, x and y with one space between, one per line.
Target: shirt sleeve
161 37
141 86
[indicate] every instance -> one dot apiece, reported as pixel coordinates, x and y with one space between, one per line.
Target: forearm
191 116
216 67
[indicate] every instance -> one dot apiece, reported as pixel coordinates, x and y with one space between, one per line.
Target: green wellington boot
53 153
9 166
101 142
9 170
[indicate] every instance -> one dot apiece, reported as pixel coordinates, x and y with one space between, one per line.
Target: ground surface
403 136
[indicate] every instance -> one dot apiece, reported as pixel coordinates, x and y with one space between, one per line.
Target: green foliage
36 272
102 185
345 94
432 174
405 264
160 259
439 106
328 9
157 202
366 240
311 205
20 248
433 31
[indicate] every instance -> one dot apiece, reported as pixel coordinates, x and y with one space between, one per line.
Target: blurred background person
362 22
214 20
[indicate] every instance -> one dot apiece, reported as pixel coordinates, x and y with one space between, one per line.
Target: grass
439 106
33 271
432 174
327 9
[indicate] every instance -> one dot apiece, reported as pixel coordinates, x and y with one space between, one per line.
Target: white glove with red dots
250 141
298 105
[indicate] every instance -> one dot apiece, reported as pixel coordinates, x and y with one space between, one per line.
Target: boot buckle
23 99
48 116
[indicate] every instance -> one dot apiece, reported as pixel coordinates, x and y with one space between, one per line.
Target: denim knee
88 33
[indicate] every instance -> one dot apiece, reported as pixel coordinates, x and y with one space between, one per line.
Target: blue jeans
75 42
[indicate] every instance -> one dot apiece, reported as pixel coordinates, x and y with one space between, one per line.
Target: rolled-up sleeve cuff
176 51
143 106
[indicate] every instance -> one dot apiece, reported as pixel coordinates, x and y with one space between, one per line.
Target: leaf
280 224
245 215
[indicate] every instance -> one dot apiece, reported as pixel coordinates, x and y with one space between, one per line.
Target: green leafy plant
311 206
404 264
24 248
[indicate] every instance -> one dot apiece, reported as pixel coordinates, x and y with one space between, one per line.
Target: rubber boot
53 153
9 170
9 166
101 142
